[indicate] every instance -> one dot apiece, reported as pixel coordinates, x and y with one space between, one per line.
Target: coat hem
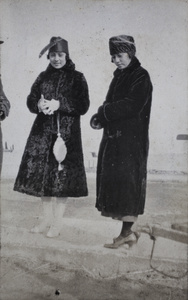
119 216
31 193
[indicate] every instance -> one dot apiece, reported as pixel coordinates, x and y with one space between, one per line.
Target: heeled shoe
130 240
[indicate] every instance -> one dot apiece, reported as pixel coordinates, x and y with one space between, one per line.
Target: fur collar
133 65
69 66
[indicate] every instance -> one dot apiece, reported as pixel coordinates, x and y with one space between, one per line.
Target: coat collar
133 65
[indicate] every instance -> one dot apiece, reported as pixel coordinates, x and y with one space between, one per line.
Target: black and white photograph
94 149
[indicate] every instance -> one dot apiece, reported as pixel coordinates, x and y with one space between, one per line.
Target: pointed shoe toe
129 240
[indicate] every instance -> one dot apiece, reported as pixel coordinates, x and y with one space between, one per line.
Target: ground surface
29 280
29 277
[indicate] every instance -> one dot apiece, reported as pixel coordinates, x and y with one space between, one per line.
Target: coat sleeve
4 103
34 96
77 101
133 103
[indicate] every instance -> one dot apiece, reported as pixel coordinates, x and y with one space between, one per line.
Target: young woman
52 164
122 159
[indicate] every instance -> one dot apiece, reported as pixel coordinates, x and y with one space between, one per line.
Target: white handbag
59 148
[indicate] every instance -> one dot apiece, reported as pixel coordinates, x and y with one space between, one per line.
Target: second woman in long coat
58 97
122 159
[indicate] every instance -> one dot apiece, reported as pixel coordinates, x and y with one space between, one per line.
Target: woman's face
121 60
57 59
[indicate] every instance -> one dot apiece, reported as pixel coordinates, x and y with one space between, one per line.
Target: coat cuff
106 112
101 114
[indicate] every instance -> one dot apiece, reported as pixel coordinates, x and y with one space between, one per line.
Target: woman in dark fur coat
52 164
123 152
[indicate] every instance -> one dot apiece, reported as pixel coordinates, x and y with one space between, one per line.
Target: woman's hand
48 106
2 115
41 104
95 123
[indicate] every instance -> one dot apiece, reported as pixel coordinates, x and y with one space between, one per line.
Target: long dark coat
122 159
38 173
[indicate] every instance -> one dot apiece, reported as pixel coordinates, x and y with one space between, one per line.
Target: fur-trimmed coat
38 173
122 159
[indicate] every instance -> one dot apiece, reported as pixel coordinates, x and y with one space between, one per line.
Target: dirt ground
33 280
25 279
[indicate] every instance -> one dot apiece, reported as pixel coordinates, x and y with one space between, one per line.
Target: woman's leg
59 209
126 237
47 213
126 228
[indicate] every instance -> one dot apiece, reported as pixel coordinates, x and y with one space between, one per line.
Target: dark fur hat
122 43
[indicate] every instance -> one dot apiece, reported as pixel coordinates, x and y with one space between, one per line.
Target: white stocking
47 214
59 209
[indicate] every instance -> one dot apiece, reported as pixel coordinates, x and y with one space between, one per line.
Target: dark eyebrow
57 52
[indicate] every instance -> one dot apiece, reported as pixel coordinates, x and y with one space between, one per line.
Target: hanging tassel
60 167
59 149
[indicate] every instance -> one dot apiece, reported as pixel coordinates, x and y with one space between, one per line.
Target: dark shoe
120 240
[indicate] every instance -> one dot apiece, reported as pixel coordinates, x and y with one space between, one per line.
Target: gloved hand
41 103
95 123
48 106
2 115
4 109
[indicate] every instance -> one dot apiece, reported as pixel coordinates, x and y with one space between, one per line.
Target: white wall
160 31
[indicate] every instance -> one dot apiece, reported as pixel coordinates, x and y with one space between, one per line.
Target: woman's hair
67 56
130 56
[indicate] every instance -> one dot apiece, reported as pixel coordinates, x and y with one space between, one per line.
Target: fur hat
121 44
57 44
